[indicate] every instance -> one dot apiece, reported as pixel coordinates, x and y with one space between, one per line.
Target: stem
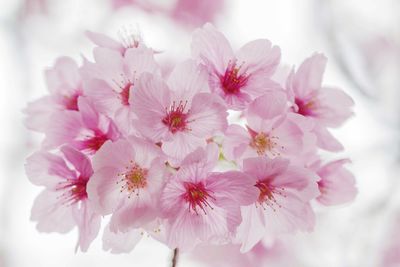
175 258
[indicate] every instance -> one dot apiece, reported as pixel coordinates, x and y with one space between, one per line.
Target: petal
113 154
140 60
79 161
259 57
188 79
211 46
309 76
102 96
326 140
121 242
63 77
207 116
337 184
103 190
104 41
252 228
46 169
150 100
269 105
88 225
235 142
181 145
51 215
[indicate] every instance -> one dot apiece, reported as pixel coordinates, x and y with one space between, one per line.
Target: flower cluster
221 151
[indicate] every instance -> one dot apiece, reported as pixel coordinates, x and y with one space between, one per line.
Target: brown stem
175 258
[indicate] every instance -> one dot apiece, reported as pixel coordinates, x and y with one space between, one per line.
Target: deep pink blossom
337 184
202 206
128 177
110 81
237 78
283 200
86 130
64 203
65 85
328 106
179 114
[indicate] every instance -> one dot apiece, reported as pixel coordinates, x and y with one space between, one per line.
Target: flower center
197 196
267 192
232 81
262 142
305 108
74 190
71 102
124 94
176 118
94 143
134 179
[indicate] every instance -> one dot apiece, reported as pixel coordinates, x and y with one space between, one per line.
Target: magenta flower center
95 143
134 179
232 81
74 190
124 94
305 107
197 196
71 102
267 194
176 118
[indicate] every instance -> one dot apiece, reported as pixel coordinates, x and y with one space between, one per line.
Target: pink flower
269 131
64 202
110 81
329 107
202 206
128 176
283 201
337 184
65 86
85 130
179 115
237 78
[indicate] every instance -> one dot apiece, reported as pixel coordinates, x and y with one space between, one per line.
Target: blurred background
361 39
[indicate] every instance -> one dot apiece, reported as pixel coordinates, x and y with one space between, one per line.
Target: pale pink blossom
283 200
110 81
202 206
337 184
328 106
128 176
64 203
178 114
237 78
269 131
86 130
65 86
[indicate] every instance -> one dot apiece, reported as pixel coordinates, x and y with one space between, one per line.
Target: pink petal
236 141
269 105
211 46
252 228
46 169
121 242
259 57
63 77
104 41
187 79
79 161
50 214
309 75
88 225
337 184
140 60
326 140
207 115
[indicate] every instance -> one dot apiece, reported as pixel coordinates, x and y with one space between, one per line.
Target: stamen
133 179
267 195
73 190
232 81
176 117
197 196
